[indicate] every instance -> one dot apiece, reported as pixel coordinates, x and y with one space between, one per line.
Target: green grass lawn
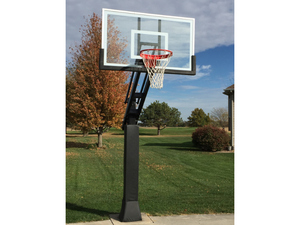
174 178
149 131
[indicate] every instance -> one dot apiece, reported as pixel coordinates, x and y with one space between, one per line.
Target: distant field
174 178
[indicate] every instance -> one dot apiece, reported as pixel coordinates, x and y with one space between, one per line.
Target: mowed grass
149 131
174 178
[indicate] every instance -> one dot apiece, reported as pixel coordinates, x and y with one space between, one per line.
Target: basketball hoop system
156 61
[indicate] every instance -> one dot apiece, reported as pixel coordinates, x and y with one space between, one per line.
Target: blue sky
214 48
204 90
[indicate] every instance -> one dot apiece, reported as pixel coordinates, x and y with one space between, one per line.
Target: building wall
231 116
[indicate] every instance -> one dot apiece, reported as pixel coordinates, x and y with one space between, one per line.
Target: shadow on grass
140 133
76 145
185 146
148 134
117 134
75 207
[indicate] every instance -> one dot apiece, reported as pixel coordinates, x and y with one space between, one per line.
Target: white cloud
205 67
188 87
201 71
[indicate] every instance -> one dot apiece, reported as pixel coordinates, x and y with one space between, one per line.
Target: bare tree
220 116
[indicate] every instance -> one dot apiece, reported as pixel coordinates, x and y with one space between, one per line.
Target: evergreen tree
198 118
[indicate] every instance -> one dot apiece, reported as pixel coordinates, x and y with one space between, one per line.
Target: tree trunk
85 133
99 140
158 130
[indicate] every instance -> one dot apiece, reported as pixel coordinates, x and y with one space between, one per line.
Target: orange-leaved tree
95 98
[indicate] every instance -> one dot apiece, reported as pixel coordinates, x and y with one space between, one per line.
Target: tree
220 116
160 115
198 118
95 98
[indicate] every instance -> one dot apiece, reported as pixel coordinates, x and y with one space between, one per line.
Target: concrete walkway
200 219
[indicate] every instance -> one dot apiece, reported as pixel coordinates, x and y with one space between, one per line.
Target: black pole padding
130 206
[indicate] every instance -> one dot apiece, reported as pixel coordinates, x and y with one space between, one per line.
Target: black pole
130 206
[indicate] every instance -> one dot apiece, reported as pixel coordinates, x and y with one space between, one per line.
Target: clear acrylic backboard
137 31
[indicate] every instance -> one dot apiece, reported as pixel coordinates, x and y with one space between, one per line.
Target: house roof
230 87
229 90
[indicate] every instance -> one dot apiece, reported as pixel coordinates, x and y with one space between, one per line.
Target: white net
156 61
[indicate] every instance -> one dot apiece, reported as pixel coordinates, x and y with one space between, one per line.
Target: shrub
210 138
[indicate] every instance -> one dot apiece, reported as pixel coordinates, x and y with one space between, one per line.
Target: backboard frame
138 65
